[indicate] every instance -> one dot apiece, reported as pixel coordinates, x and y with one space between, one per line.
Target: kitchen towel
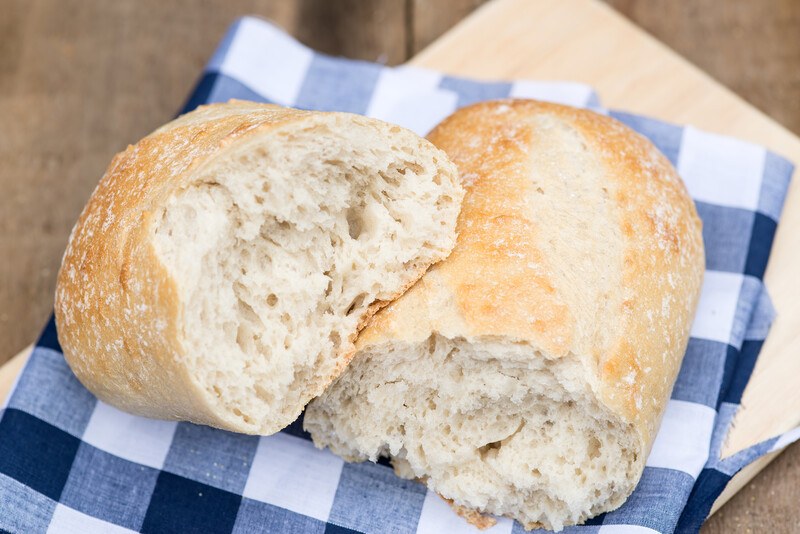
69 463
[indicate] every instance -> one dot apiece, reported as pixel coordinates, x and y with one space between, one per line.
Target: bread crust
117 308
628 311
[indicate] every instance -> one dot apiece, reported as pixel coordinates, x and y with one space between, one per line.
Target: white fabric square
289 472
411 97
138 439
65 520
684 439
437 516
721 170
252 57
571 94
716 310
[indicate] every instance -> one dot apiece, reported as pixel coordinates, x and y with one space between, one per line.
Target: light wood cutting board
586 41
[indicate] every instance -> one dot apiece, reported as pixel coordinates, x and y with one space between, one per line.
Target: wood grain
81 79
431 18
751 47
359 29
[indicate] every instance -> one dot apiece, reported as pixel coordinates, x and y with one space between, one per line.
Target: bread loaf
225 262
526 374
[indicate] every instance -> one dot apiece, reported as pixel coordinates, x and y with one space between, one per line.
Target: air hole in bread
594 447
489 448
336 339
356 303
355 223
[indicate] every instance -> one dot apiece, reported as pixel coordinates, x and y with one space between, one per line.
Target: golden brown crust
576 236
116 306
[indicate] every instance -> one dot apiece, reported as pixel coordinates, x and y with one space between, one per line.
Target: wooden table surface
80 79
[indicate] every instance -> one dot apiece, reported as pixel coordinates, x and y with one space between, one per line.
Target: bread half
224 264
526 375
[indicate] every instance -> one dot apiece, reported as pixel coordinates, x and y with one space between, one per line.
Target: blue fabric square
657 501
108 487
706 489
36 453
182 505
70 409
255 516
729 374
214 457
22 508
726 233
761 239
202 92
470 92
330 85
667 137
596 520
370 496
336 529
702 372
745 364
49 337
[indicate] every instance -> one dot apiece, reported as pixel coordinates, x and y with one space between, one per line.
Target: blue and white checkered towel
69 463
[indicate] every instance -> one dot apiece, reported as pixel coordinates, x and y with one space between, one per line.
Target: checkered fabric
69 463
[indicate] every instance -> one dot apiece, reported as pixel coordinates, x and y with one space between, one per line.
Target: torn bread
526 375
224 264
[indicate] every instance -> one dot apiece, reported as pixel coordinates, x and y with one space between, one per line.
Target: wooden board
586 41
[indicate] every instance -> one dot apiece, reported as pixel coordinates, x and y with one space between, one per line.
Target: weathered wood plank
751 47
431 18
358 29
